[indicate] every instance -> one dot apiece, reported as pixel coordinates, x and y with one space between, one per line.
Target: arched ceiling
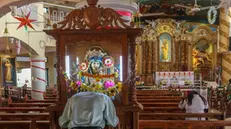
25 48
5 4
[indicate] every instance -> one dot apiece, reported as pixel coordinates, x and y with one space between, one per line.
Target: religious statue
96 73
201 55
165 47
8 70
165 50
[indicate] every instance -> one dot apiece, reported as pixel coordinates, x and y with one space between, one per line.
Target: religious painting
9 71
202 54
165 45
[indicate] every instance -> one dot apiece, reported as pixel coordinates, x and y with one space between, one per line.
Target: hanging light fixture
8 51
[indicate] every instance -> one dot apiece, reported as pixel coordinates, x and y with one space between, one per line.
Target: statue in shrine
96 73
8 75
201 56
165 50
95 66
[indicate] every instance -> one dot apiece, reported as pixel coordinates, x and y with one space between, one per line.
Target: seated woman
194 103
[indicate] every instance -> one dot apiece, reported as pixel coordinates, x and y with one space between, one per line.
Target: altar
169 47
174 79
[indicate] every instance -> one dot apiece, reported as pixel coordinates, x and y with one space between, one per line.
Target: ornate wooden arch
98 24
165 26
204 32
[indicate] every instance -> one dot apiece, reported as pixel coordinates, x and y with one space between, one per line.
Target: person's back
88 109
194 104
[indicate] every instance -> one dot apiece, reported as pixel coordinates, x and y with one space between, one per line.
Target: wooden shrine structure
95 24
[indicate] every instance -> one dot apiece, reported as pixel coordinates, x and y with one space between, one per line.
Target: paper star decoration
25 21
225 4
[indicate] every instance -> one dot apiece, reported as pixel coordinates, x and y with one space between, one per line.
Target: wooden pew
50 98
158 100
29 104
158 97
24 116
22 109
162 109
157 93
160 104
179 116
29 124
41 101
177 124
51 95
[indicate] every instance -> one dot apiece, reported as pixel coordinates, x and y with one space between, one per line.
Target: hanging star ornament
25 21
224 4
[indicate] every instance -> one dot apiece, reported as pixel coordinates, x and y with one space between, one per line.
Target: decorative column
38 77
190 57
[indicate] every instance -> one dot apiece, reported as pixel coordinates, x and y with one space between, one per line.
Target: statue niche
202 57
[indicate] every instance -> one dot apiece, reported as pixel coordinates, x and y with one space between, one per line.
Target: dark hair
191 95
229 81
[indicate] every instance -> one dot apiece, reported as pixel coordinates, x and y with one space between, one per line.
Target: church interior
146 55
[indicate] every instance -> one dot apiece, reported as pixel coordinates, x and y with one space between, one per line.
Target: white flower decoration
83 66
108 62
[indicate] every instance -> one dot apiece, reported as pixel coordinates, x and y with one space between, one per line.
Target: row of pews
27 114
161 112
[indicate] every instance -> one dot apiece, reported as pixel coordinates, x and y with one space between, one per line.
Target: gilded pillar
189 56
144 61
149 59
138 59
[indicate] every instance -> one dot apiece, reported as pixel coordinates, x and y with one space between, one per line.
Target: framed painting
9 72
165 47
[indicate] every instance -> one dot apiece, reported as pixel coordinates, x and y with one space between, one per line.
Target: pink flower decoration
78 83
69 91
109 84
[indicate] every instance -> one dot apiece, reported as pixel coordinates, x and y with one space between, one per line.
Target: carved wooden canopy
92 17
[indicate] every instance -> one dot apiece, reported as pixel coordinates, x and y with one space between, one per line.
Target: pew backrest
166 124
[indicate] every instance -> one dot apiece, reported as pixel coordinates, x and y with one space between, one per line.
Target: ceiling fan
194 9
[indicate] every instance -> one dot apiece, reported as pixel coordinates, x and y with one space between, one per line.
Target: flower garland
100 76
109 89
212 15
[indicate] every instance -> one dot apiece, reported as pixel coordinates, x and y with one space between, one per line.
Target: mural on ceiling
202 54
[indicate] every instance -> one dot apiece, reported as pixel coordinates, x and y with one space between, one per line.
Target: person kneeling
194 103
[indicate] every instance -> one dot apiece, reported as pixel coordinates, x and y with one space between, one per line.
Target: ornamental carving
78 38
204 32
92 17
